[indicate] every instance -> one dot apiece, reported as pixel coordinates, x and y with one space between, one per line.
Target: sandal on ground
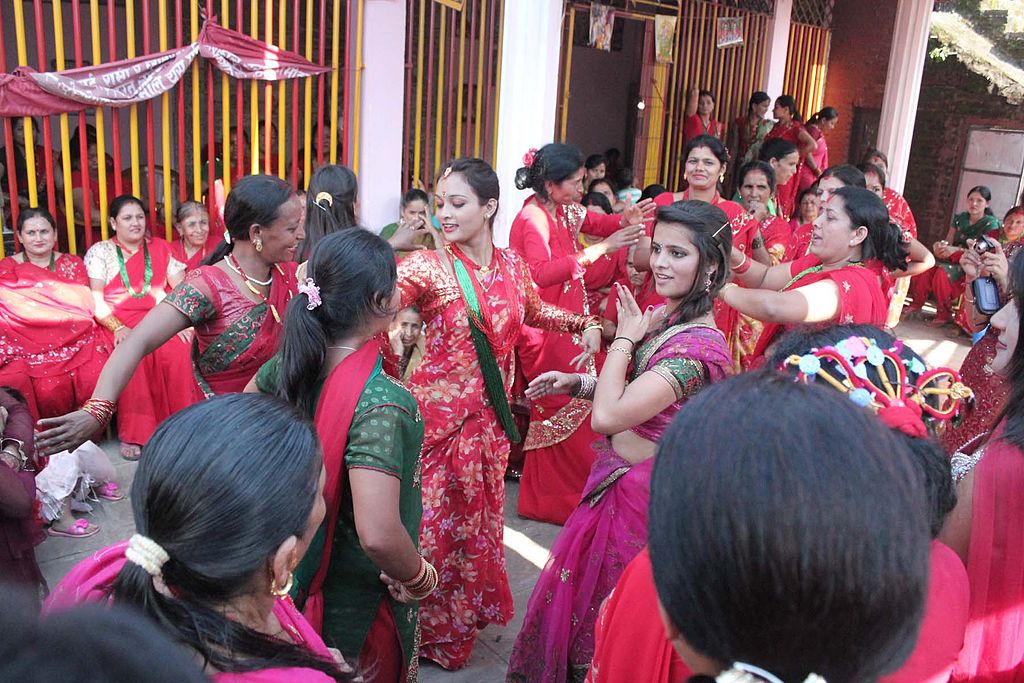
109 491
130 451
80 529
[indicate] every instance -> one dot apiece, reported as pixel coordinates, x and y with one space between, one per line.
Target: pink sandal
109 491
80 529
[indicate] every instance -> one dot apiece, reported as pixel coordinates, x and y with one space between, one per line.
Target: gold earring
283 591
258 243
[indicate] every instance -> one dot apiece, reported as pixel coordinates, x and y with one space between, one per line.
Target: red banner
128 81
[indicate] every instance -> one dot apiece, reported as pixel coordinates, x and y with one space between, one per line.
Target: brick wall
952 100
858 61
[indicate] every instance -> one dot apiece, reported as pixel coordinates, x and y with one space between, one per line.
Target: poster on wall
664 38
729 31
602 20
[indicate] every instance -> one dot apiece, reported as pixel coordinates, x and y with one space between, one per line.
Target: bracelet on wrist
588 383
631 342
626 352
100 409
743 265
424 583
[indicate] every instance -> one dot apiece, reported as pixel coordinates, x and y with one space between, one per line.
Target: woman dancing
633 405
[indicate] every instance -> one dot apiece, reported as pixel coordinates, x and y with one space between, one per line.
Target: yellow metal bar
282 39
166 132
357 88
30 145
133 111
670 96
65 133
460 81
225 115
441 51
478 121
197 143
563 125
307 133
254 97
336 63
497 79
417 142
656 121
101 131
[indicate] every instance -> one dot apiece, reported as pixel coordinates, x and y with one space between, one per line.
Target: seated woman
225 502
835 282
414 215
652 370
130 274
990 389
984 529
192 221
329 368
946 283
833 351
53 350
408 342
753 586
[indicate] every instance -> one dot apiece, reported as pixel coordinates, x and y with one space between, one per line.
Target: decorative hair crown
899 401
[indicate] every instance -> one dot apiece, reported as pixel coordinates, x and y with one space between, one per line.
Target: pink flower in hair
312 292
530 155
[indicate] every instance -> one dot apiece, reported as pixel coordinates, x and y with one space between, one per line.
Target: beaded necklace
235 266
147 278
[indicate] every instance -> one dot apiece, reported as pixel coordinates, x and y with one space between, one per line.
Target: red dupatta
44 318
334 414
129 309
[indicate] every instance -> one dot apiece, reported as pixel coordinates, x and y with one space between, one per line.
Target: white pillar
778 48
903 86
380 113
530 52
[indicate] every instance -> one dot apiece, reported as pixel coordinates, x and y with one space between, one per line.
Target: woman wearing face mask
946 282
474 298
984 529
192 221
234 303
546 234
836 282
656 363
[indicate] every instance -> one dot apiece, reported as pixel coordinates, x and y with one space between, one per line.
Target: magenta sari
607 529
90 581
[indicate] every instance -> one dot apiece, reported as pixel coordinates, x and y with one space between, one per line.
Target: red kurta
51 348
557 445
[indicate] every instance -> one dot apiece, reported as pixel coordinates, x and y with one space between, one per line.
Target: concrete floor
526 541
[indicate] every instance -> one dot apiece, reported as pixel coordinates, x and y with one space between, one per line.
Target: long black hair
711 234
324 214
1013 411
807 552
825 114
253 200
885 239
848 174
220 486
776 148
986 194
554 163
757 98
928 456
480 177
355 273
789 102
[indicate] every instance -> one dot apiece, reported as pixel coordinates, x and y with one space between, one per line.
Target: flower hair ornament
146 553
312 293
897 400
741 672
530 157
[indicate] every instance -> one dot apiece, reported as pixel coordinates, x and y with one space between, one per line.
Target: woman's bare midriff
632 448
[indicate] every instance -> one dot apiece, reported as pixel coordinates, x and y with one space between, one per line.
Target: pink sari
605 531
90 581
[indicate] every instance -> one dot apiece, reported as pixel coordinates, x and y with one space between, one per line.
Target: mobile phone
986 295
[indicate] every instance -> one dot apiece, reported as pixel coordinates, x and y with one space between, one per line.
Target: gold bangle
628 354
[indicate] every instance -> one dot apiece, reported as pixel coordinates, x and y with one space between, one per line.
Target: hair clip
312 293
324 197
447 172
227 236
723 227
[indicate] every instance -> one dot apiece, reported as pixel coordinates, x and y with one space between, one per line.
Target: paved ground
526 541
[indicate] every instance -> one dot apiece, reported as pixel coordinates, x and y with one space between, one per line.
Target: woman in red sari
474 298
748 131
53 350
699 116
817 161
545 233
192 221
788 126
835 282
234 304
985 527
129 275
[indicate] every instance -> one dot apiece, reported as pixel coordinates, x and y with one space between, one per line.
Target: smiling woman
234 303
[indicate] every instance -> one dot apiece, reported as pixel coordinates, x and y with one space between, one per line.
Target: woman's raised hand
633 323
636 213
407 233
